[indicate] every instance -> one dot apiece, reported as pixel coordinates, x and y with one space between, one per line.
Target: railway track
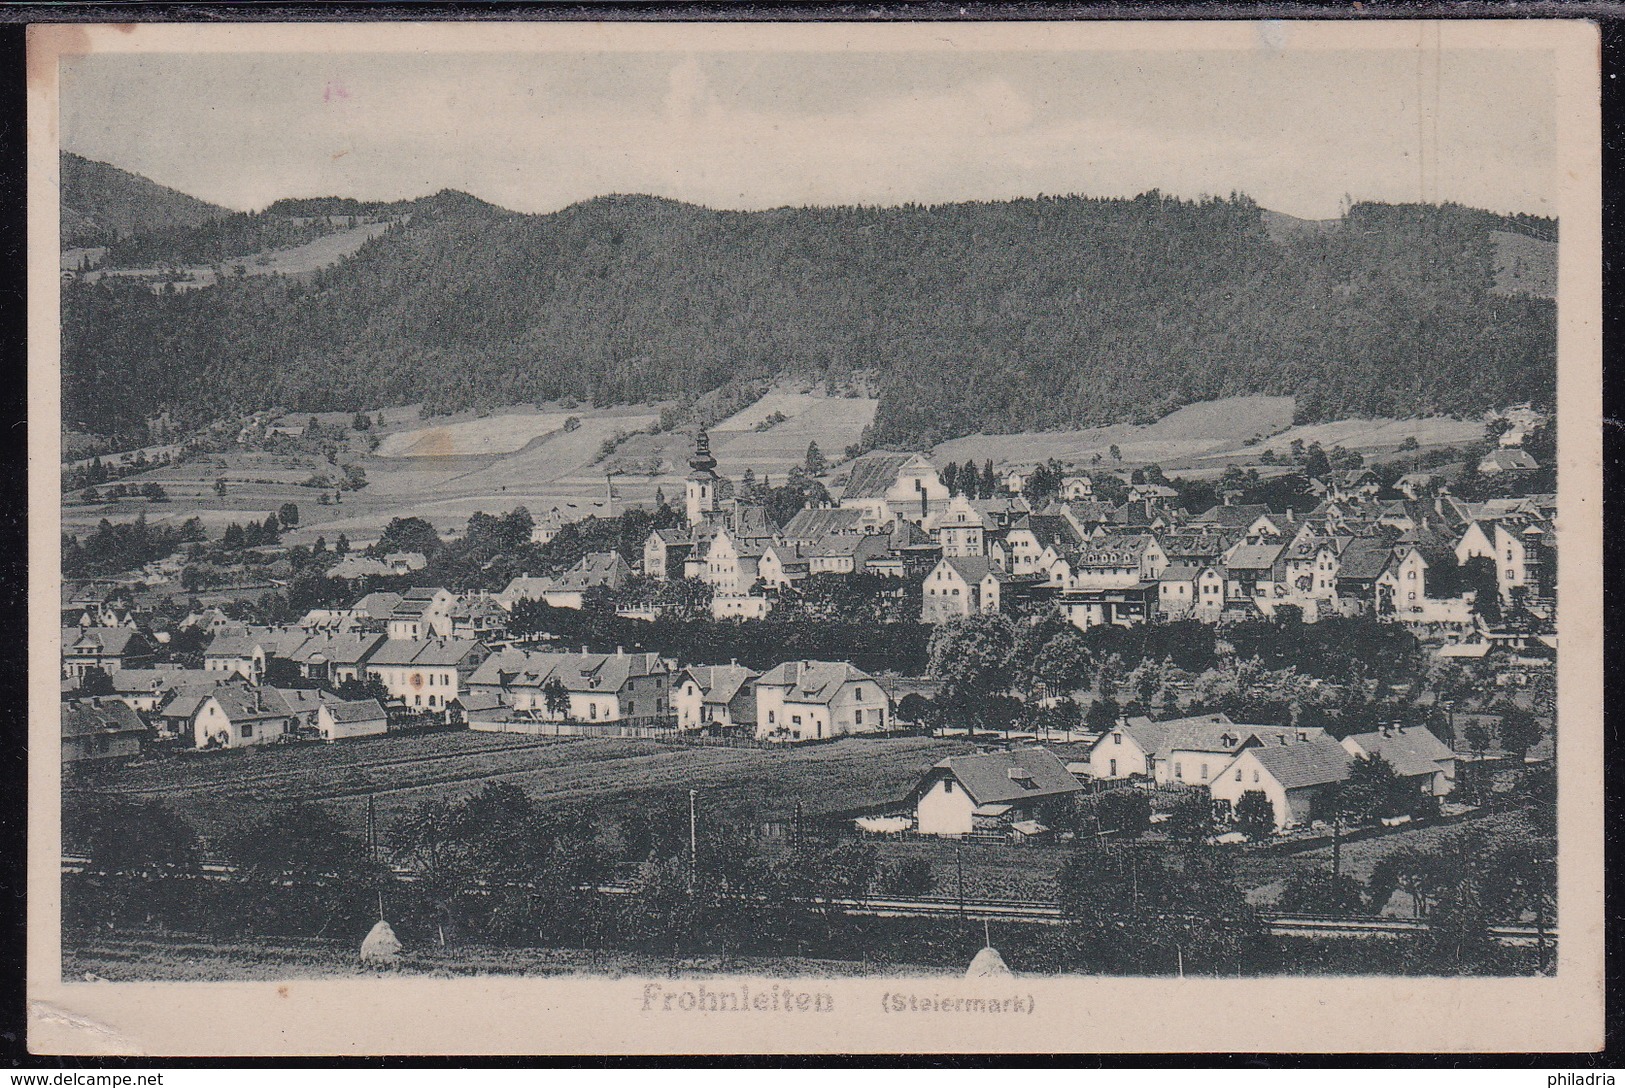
1009 910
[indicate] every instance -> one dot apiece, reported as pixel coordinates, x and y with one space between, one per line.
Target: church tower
702 480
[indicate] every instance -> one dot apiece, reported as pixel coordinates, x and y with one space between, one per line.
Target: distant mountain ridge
101 203
990 317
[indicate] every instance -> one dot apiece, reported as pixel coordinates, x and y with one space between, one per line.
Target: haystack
988 964
381 946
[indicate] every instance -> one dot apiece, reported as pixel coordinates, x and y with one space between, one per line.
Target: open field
1189 432
298 260
180 958
1204 439
596 775
505 433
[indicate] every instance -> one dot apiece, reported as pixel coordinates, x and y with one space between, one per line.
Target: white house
1415 754
1292 776
993 791
721 696
630 689
425 674
960 587
812 700
239 717
423 612
353 718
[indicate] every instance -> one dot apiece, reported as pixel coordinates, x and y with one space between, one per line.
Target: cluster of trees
152 491
970 482
97 472
495 867
1056 308
114 548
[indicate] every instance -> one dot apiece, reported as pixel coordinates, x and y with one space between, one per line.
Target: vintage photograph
681 513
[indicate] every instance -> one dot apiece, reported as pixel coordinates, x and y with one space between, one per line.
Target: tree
1191 818
950 478
271 529
154 492
1477 737
410 534
1519 730
361 422
1316 465
288 515
1117 454
1373 791
556 698
1255 815
220 486
144 853
342 545
816 464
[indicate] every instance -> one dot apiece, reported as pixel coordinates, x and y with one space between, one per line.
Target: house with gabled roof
108 649
336 659
1504 462
618 689
718 697
990 791
1197 592
595 570
425 674
813 523
422 612
1037 541
145 689
1127 750
1256 572
665 551
1254 520
817 700
100 731
239 716
351 718
1295 778
958 587
1415 754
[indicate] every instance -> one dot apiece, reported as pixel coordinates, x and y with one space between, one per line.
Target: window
1238 776
795 719
947 785
1117 738
592 710
1255 778
1179 771
858 693
1113 770
770 717
248 731
1204 772
417 700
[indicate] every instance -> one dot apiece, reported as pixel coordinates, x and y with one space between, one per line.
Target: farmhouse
1507 461
233 716
812 700
144 689
1128 750
995 791
100 730
1185 590
353 718
716 696
335 659
1195 750
1416 755
1292 776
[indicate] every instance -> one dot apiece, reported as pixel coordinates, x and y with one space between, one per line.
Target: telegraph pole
959 868
693 837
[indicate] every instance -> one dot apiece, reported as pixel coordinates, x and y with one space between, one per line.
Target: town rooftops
595 569
815 523
994 778
577 672
1364 559
377 606
973 568
1314 762
1254 556
351 648
1181 572
1235 516
811 681
423 651
106 641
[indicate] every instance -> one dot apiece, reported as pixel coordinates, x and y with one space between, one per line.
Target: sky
1297 131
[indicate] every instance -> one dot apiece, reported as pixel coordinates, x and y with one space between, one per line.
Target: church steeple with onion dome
701 495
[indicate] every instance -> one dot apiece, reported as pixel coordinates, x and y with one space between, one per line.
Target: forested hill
101 203
1018 315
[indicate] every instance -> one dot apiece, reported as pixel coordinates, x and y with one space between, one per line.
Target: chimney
620 651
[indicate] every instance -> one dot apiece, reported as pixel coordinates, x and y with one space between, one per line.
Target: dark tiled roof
1001 777
1314 762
